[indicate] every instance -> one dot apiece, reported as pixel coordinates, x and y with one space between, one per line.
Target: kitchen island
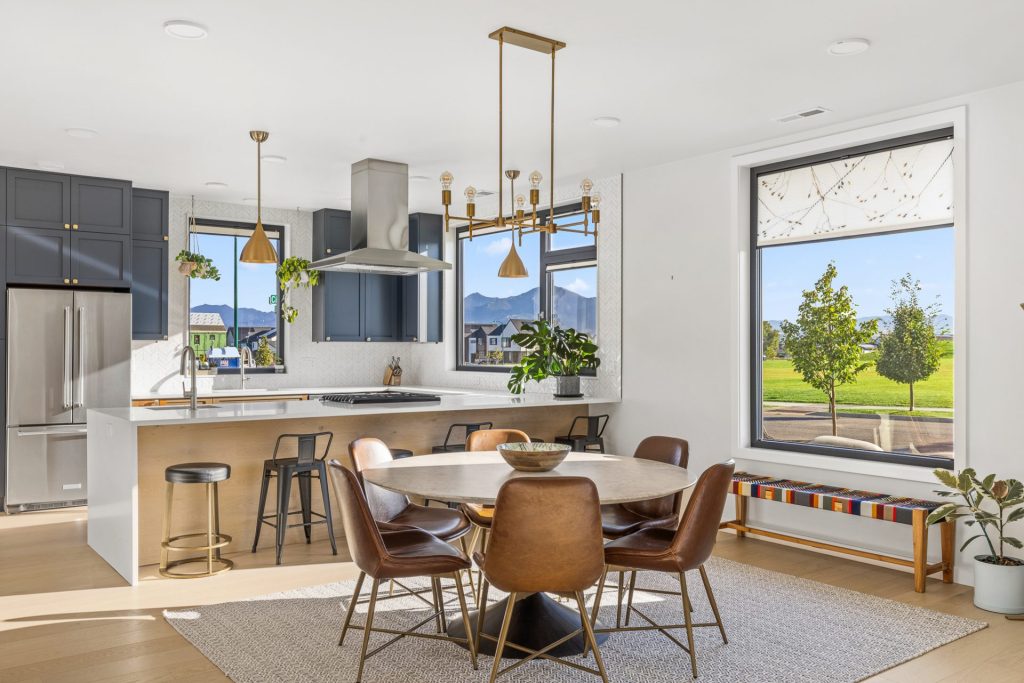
129 448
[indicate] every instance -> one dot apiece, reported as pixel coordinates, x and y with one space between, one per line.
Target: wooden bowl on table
533 457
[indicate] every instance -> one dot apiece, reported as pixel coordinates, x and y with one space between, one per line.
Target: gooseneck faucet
190 367
244 356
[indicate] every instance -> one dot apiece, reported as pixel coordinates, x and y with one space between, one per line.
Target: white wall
683 319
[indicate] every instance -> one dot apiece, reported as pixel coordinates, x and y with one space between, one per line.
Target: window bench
912 511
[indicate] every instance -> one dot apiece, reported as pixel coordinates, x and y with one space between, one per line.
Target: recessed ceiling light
214 185
274 158
848 47
606 121
185 30
51 165
418 178
83 133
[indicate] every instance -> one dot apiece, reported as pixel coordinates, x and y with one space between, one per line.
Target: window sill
885 470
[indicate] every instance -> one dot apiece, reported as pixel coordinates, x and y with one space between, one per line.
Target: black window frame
241 225
755 360
548 257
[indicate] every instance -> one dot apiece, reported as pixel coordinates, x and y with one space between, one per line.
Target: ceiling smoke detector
805 114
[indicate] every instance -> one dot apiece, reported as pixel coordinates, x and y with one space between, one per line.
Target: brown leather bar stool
592 441
676 552
481 515
305 466
623 519
545 537
210 474
386 555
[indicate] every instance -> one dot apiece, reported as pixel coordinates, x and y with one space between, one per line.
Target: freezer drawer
45 467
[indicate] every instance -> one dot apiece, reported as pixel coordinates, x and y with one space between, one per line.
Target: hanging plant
293 273
196 266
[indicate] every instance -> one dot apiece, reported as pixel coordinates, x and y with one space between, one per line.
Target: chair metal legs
437 615
688 618
284 477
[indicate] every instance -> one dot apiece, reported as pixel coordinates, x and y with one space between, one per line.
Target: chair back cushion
364 542
669 450
368 453
696 535
490 439
545 535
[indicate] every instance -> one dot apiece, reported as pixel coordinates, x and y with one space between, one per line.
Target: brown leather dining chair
481 515
394 512
545 537
385 555
622 519
676 552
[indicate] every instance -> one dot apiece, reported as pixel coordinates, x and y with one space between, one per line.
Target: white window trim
740 175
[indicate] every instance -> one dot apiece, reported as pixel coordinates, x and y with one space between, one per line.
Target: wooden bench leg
741 514
920 549
948 530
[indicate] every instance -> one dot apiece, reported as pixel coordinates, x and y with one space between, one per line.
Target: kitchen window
242 307
561 287
852 323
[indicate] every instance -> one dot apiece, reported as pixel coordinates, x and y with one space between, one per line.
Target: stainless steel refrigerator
67 351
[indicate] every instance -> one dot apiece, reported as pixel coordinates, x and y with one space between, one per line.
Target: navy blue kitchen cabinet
150 263
101 205
38 200
150 215
426 237
332 234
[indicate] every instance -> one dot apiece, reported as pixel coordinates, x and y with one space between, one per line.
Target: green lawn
782 383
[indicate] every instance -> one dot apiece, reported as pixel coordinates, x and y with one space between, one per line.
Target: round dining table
476 477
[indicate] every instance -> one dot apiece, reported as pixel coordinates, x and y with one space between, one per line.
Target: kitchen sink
199 407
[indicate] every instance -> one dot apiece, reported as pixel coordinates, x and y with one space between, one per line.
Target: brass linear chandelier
521 220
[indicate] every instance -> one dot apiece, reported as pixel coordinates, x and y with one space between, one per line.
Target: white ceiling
415 81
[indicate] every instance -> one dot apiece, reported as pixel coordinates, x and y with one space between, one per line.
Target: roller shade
881 191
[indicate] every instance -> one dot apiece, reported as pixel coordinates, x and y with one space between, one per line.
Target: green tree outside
769 341
825 340
264 356
910 352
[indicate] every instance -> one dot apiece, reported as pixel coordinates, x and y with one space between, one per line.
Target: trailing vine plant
293 273
196 266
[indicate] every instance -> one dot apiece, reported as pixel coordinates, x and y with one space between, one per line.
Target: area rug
780 628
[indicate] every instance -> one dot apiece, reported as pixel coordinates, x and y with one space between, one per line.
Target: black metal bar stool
449 447
209 473
304 466
399 453
592 440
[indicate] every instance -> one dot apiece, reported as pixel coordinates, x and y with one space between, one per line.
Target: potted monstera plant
552 352
992 505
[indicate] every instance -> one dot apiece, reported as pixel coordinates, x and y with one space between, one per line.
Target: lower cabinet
60 257
149 289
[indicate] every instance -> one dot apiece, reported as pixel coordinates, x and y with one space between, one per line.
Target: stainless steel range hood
380 224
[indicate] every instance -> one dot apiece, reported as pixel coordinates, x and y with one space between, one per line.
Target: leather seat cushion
197 473
481 515
444 523
416 553
618 521
646 549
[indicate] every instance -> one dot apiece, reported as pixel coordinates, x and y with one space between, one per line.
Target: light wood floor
66 616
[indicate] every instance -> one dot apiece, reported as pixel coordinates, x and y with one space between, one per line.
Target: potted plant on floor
552 352
993 504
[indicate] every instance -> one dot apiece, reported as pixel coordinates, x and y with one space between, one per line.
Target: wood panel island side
129 448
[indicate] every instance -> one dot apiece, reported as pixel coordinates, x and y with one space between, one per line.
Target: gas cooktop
388 396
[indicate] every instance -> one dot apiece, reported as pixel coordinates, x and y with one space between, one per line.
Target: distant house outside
207 331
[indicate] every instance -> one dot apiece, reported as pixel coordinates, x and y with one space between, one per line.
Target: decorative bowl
533 457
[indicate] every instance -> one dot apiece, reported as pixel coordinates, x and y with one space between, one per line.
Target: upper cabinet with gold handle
101 205
74 226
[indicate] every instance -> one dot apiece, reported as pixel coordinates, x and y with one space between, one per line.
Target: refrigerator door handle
80 384
50 431
67 357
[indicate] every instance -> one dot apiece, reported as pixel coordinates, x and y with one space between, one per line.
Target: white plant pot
998 588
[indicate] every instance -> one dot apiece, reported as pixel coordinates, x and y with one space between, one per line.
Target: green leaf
1015 515
968 541
1013 542
940 513
946 477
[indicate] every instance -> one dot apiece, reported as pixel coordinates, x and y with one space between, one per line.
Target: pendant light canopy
512 266
259 249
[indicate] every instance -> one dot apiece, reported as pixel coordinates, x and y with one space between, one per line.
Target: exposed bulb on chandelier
520 201
470 195
595 200
586 185
535 179
446 180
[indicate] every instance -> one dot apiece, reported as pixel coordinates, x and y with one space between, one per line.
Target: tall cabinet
150 224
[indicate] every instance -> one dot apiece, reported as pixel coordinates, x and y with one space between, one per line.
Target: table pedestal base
537 620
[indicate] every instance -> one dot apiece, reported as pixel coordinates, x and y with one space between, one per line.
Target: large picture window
852 293
561 287
242 309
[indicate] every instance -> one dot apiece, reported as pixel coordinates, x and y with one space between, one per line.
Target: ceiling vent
805 114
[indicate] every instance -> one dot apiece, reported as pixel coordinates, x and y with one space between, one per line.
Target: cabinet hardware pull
328 251
74 281
67 281
165 238
74 226
67 226
327 338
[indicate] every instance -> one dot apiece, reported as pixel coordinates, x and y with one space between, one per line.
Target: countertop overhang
451 400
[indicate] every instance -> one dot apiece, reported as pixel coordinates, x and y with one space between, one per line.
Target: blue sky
256 281
867 265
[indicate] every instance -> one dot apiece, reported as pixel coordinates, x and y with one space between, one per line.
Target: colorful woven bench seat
901 509
835 498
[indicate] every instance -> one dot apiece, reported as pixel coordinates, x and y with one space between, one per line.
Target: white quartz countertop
293 391
451 400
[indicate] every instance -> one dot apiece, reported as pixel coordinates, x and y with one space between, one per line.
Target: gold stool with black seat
209 473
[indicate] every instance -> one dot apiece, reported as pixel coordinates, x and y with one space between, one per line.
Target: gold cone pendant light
259 249
512 266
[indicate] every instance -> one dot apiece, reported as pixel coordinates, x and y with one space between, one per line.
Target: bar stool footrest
222 541
224 565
